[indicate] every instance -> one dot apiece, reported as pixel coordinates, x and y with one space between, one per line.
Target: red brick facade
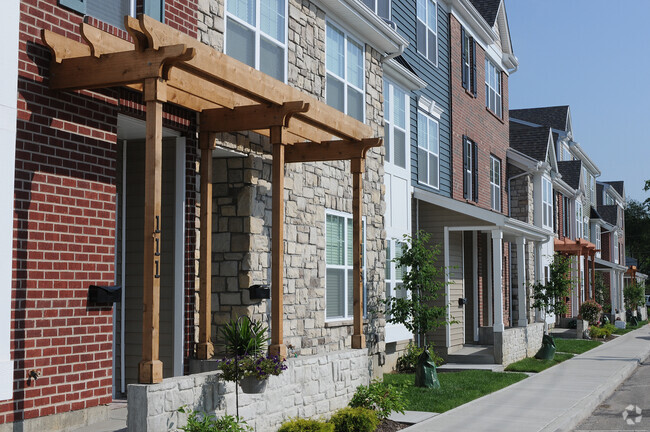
65 221
471 118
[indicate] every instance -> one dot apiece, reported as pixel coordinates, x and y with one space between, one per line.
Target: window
547 203
585 228
592 183
395 121
615 247
578 219
470 169
338 251
495 183
256 34
597 239
394 272
492 88
566 206
113 12
609 200
380 7
345 74
468 60
428 150
427 29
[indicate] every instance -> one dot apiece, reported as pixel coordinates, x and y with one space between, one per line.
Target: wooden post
587 287
579 296
205 349
357 167
593 272
150 369
277 244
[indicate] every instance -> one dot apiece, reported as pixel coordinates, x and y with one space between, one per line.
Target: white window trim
547 204
429 106
428 28
389 119
258 33
615 247
395 332
597 240
498 100
578 218
345 267
429 118
376 8
495 189
347 36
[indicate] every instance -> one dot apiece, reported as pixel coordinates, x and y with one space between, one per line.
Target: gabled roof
609 213
556 117
488 9
618 186
529 140
570 171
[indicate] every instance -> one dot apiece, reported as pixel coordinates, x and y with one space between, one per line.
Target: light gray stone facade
312 386
517 343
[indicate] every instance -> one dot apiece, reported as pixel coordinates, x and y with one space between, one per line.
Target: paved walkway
556 399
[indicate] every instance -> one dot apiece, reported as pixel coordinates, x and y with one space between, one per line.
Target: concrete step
473 354
460 367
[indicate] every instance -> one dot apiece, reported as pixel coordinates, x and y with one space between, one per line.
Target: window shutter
463 59
465 167
475 171
473 72
155 9
77 5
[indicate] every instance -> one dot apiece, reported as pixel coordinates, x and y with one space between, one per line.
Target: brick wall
64 223
472 119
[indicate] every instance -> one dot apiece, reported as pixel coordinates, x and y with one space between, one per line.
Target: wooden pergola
581 248
169 66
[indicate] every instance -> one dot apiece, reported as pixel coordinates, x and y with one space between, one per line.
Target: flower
248 366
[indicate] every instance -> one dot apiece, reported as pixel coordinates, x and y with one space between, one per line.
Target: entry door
133 189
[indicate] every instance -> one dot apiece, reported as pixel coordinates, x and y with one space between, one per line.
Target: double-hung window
495 183
468 60
470 169
256 34
597 239
339 263
427 29
615 247
395 121
547 203
394 272
492 87
380 7
428 151
566 207
345 73
578 219
113 12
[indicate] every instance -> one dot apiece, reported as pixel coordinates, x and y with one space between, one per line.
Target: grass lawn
575 346
629 328
532 364
456 388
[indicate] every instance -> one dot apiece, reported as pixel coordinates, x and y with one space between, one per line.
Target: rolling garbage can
547 351
425 372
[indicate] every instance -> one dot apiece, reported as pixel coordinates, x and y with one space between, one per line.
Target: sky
593 55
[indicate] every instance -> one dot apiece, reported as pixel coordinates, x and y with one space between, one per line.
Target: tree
424 281
551 297
637 233
602 294
634 295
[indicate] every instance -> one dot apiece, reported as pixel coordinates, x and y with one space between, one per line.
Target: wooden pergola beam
330 150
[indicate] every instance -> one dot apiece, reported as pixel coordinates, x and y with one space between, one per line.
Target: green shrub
306 425
378 397
208 423
590 311
354 420
601 332
245 337
406 362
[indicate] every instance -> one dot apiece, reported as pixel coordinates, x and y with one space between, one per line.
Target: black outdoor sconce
100 295
259 292
462 301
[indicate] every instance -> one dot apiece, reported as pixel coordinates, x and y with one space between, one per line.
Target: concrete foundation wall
311 386
517 343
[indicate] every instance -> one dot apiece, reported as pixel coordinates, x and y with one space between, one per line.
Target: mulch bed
390 426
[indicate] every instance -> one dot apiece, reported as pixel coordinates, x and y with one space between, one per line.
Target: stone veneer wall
242 194
312 386
517 343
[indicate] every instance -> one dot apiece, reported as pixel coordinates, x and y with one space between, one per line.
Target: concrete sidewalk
556 399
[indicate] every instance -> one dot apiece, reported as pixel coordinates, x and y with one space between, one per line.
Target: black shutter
464 176
475 171
463 59
473 65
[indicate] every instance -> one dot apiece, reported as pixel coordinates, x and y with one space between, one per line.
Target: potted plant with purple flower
245 341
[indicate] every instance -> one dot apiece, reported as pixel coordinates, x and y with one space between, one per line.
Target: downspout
399 52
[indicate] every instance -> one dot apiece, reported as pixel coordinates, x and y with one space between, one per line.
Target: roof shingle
530 140
554 117
488 9
570 171
609 213
618 187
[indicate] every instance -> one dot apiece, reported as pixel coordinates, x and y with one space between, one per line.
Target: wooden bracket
330 150
251 117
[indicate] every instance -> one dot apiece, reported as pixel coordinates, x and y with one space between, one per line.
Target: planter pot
252 385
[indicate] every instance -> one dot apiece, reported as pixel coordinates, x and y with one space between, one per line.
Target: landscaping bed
390 426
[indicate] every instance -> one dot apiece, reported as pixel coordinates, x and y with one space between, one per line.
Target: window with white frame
609 200
394 272
468 61
585 228
256 34
597 239
380 7
339 264
395 121
547 203
578 219
428 151
495 182
470 169
492 87
615 247
427 29
592 185
344 62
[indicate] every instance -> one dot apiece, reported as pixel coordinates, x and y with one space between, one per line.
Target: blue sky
594 56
